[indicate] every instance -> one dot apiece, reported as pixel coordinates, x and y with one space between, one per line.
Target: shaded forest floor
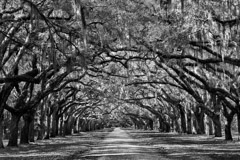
166 145
59 148
186 147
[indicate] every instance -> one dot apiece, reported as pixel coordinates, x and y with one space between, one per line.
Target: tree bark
151 124
216 118
172 123
32 130
1 128
167 127
89 125
28 128
210 126
195 125
217 126
228 134
228 114
4 94
68 126
41 129
40 132
24 139
229 119
183 119
177 127
80 121
57 125
13 135
48 127
160 121
65 128
75 126
84 123
199 115
238 121
54 125
145 126
93 124
61 126
189 122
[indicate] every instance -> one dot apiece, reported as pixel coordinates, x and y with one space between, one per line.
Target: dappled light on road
126 144
120 145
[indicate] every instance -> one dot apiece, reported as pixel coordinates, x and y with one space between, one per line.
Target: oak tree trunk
32 131
57 125
195 125
80 124
228 134
172 123
217 126
183 119
76 129
210 126
48 127
238 121
54 125
145 126
199 115
13 135
1 128
177 127
24 139
189 122
216 118
83 126
71 125
28 128
41 129
160 121
150 124
61 126
68 129
228 114
64 128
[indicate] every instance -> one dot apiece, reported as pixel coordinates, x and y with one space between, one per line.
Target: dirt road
127 144
120 145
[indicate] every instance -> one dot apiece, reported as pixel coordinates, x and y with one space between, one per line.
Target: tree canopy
76 64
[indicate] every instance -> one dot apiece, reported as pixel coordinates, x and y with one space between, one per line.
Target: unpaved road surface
127 144
120 145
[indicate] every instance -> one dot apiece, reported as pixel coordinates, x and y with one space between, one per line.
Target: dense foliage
77 65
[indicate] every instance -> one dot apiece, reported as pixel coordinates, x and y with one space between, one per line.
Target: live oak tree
166 58
27 31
